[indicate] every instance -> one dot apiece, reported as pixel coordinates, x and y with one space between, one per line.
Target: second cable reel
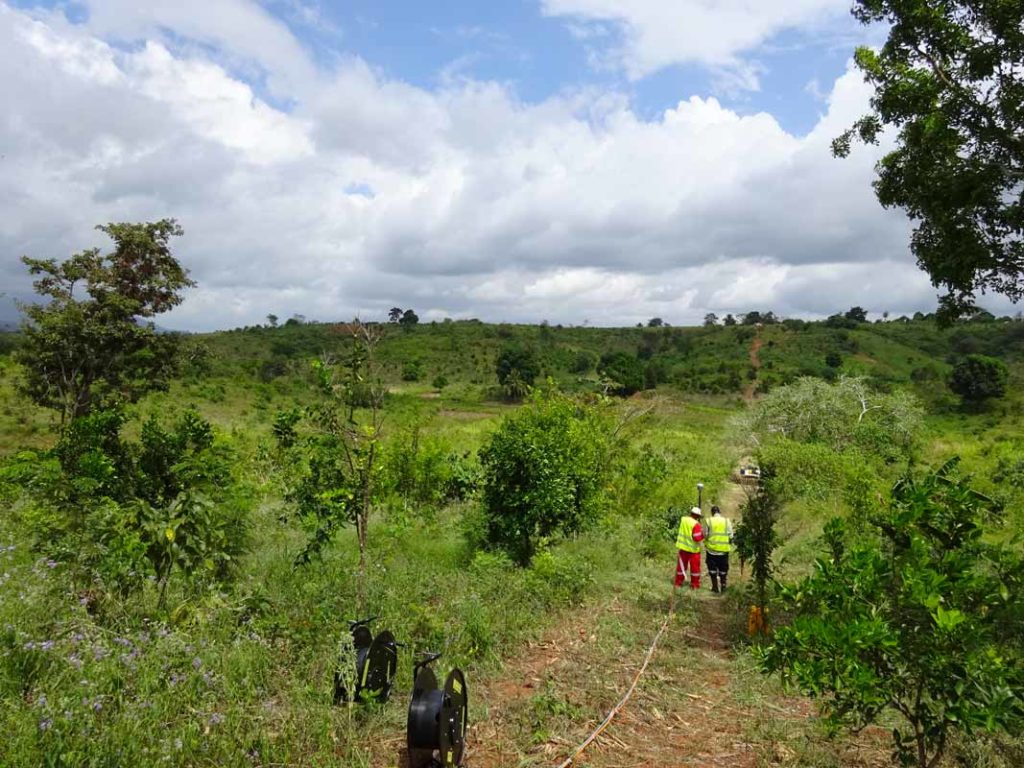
376 661
436 727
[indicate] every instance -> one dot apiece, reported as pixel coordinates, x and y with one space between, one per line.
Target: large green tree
949 80
88 344
517 367
624 372
978 378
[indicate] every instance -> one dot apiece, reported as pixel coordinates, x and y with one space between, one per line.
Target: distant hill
710 360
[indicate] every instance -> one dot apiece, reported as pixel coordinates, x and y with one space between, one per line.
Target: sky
592 162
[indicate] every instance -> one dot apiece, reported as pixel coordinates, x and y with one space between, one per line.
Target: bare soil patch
699 704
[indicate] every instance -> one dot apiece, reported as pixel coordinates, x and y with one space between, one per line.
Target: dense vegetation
191 558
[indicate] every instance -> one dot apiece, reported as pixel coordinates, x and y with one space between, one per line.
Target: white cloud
717 33
217 106
241 30
463 201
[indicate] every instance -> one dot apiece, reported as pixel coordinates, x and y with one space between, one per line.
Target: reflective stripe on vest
684 540
718 534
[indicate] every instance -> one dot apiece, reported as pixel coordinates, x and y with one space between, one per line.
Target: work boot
723 578
714 582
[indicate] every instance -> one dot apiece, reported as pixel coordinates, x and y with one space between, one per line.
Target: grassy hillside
706 360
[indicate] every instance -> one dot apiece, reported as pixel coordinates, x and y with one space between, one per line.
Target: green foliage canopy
949 79
116 510
517 367
842 415
625 372
544 473
915 615
856 314
86 351
977 378
409 320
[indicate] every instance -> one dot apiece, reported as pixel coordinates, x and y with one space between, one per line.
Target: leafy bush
561 578
117 511
584 362
190 534
841 415
544 473
412 370
517 368
919 617
426 471
817 472
977 378
756 539
625 372
272 369
284 427
1009 470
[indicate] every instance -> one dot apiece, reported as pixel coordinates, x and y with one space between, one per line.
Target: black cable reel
436 728
376 661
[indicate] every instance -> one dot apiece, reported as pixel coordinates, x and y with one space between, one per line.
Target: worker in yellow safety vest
688 543
718 542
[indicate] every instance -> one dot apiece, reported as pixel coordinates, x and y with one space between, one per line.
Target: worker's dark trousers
718 570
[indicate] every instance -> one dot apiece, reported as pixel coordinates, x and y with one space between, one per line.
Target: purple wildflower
45 724
216 718
197 663
51 564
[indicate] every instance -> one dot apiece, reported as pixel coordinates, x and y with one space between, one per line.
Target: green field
239 672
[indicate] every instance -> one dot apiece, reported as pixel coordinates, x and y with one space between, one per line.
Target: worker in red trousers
688 543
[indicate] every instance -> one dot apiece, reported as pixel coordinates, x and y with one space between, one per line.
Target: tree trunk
161 603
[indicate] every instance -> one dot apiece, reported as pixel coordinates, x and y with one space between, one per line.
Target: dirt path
700 703
755 363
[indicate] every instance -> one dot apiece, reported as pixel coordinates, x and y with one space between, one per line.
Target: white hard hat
695 511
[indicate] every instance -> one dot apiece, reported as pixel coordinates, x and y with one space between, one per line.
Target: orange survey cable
571 760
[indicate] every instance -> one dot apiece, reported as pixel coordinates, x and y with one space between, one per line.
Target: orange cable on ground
622 702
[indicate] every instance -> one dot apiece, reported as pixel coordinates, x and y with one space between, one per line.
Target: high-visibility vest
684 540
718 535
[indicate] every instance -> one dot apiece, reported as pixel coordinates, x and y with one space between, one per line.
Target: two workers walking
716 534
